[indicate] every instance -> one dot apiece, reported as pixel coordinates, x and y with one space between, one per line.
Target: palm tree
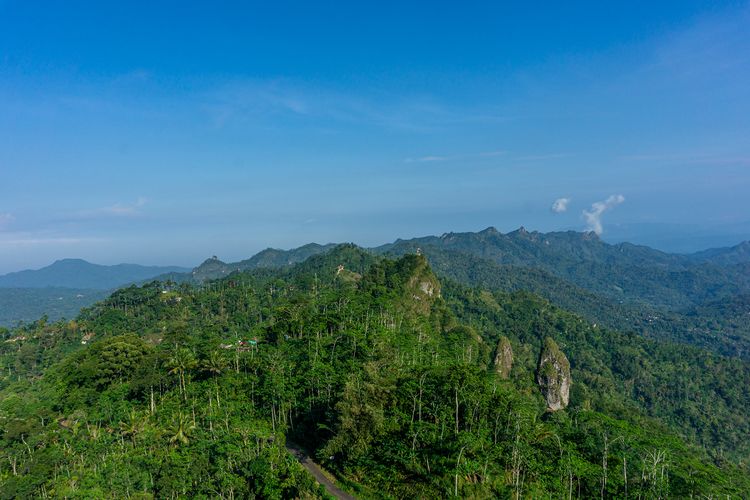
214 365
133 426
182 360
180 430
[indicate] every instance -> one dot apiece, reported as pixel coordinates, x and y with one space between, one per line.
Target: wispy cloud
688 158
550 156
560 205
487 154
117 210
244 101
125 210
467 156
16 241
593 216
427 159
5 220
713 46
43 238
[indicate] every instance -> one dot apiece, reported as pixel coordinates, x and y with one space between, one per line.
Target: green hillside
622 273
381 369
214 268
669 297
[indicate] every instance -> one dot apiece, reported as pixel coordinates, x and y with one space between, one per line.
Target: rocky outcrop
211 268
422 286
553 376
503 358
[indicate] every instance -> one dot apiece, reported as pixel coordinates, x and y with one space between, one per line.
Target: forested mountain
626 287
77 273
61 289
400 383
623 272
701 325
213 268
738 254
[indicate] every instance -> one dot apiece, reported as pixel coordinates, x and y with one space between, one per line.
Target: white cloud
560 205
132 209
593 217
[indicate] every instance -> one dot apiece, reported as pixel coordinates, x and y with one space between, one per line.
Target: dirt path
317 472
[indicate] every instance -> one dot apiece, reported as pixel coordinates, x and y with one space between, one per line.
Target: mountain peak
211 268
212 260
79 273
521 231
588 235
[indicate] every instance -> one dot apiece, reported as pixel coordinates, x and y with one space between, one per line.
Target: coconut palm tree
214 365
180 430
181 361
132 426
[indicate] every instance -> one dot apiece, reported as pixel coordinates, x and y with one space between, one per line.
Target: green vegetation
624 287
624 272
61 289
384 372
213 268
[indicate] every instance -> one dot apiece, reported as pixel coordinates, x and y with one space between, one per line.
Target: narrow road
317 472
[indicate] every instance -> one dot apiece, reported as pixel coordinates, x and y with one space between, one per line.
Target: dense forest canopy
386 373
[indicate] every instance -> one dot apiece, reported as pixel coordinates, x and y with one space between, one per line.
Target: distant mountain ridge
214 268
737 254
532 248
620 272
78 273
699 299
624 286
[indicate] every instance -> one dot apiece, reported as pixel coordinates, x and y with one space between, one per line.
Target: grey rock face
503 358
553 376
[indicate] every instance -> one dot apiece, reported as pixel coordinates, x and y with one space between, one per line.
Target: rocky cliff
503 358
553 375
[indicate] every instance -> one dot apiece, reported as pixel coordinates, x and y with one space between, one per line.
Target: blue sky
167 133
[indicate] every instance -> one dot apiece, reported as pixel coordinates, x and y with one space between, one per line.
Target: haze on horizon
163 134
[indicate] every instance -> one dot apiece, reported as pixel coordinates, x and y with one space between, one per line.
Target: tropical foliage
383 371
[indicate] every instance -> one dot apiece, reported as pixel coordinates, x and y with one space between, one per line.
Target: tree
180 429
214 365
132 426
181 361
